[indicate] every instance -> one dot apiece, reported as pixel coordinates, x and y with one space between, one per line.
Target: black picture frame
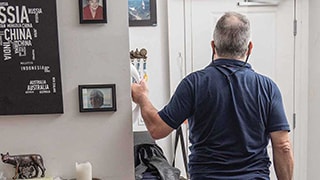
85 14
102 95
29 58
142 12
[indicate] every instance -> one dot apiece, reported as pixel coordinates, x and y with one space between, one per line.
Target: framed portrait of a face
98 97
93 11
142 12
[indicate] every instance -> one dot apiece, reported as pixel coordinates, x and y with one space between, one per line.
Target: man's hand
139 91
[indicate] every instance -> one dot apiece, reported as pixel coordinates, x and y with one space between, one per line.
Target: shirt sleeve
277 119
180 106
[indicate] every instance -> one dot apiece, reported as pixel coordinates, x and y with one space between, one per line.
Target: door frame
179 53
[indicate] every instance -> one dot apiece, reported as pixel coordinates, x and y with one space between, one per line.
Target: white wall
89 54
314 91
155 40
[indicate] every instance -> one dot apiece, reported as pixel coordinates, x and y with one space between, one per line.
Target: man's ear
250 46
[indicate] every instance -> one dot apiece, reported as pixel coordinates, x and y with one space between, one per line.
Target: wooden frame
86 16
142 12
98 97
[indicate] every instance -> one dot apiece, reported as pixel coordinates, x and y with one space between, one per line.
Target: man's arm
156 126
282 155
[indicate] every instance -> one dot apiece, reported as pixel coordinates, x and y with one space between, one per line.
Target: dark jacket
150 163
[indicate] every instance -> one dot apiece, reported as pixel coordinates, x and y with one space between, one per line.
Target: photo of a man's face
97 97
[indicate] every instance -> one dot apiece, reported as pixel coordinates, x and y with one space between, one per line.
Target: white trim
301 86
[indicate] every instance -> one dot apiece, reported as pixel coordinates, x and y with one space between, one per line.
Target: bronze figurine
26 166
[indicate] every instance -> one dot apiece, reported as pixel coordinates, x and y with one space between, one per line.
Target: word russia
13 14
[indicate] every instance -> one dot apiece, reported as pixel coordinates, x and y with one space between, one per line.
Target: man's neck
231 58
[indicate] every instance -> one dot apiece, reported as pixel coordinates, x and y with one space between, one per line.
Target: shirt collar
230 62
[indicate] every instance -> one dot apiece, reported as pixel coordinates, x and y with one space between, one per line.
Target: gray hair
97 95
232 35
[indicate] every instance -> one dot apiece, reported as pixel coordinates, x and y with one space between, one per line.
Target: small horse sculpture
25 165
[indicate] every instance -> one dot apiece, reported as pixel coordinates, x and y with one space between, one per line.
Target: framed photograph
99 97
93 11
142 12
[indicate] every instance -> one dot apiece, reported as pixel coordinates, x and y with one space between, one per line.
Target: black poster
30 78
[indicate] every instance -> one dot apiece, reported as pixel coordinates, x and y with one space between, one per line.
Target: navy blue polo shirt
231 110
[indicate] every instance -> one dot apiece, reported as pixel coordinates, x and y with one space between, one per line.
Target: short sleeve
180 106
277 118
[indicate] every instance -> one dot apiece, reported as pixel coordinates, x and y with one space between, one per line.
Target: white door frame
179 52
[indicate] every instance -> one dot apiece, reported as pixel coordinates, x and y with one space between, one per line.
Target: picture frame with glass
142 12
93 11
97 97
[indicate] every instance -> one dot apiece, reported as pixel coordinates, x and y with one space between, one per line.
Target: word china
13 14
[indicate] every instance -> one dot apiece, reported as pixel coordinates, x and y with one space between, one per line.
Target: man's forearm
283 163
155 125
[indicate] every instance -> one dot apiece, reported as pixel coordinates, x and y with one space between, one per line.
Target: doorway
191 24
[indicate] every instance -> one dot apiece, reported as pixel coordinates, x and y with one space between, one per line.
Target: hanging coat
150 163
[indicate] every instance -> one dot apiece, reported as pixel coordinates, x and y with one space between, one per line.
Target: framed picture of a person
98 97
93 11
